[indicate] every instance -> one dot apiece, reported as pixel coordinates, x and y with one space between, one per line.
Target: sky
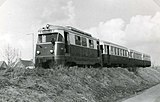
131 23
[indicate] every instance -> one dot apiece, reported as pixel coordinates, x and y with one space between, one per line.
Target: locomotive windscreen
49 37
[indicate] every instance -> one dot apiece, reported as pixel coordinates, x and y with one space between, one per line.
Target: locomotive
59 45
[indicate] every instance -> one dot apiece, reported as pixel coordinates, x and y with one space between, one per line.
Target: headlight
47 26
38 52
51 51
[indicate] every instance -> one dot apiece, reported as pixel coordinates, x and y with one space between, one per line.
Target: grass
73 84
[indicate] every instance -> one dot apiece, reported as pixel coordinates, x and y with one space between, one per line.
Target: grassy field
74 84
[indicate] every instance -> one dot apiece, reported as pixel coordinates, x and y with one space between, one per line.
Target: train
69 46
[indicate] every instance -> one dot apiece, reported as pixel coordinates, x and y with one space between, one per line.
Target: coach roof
115 45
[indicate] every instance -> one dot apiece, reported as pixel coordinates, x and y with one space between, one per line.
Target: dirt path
150 95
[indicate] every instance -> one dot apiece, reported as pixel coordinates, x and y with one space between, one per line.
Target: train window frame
84 41
91 43
77 40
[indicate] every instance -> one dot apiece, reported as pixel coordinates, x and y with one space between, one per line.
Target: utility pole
32 45
157 2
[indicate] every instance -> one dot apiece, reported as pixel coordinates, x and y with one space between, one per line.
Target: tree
11 55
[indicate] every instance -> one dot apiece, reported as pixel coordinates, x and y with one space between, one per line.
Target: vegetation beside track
74 84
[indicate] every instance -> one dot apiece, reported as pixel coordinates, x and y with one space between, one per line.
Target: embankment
74 84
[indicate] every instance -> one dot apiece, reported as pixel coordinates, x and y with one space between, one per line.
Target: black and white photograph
79 50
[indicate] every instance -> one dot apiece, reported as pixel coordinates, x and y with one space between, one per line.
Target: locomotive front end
50 47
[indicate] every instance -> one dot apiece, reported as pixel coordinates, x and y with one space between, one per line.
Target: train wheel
70 64
97 65
51 64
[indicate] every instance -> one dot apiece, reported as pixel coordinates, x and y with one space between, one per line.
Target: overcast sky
132 23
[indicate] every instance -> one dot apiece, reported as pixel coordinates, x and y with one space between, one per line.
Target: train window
98 49
125 53
48 37
77 40
60 37
84 41
121 52
118 51
105 49
40 39
115 50
91 44
43 38
66 41
111 49
134 55
131 55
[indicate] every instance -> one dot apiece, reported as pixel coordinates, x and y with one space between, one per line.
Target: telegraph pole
157 2
32 45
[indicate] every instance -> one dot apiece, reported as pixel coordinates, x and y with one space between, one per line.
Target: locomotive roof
67 28
78 31
50 27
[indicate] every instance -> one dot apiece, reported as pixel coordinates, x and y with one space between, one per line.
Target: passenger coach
114 55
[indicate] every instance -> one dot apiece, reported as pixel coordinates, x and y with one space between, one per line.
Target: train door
98 49
101 48
108 56
107 49
66 41
102 55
